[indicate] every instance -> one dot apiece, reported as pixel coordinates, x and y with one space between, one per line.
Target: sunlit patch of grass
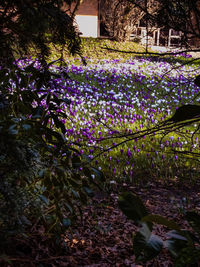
94 49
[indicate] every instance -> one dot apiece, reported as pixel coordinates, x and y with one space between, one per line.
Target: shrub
183 245
41 179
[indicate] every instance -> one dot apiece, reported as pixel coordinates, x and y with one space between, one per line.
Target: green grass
143 168
95 49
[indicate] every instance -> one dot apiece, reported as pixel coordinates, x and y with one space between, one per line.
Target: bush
183 245
136 39
19 167
41 179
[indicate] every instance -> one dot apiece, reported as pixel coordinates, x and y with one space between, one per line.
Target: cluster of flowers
111 98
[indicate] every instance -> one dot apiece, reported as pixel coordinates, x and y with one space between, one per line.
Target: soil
103 237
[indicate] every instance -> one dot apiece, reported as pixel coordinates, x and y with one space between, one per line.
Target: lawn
116 97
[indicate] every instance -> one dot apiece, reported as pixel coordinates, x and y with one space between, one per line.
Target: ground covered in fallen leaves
103 236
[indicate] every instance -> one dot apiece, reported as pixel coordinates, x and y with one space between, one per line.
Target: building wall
87 18
88 7
88 25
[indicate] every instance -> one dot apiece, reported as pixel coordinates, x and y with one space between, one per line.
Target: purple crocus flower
129 153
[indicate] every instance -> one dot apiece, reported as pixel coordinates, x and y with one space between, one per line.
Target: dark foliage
40 177
183 245
186 112
197 80
26 25
182 15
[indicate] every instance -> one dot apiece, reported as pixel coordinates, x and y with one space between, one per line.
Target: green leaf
15 120
176 242
132 206
186 112
75 193
26 127
44 199
56 100
194 220
197 80
161 220
67 101
76 162
146 245
66 222
74 182
87 172
12 130
176 235
188 256
25 220
41 173
48 99
38 112
87 158
30 68
49 134
68 207
89 192
24 81
99 174
83 197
